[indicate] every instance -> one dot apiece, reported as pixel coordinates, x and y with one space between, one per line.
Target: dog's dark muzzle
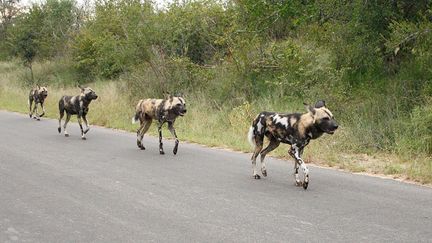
182 112
333 129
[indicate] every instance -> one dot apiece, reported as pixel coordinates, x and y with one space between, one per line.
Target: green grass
216 126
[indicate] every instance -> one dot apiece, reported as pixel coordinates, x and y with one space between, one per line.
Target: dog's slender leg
296 167
140 135
61 114
274 143
30 107
160 138
68 116
86 123
60 118
173 133
258 147
35 111
43 110
81 127
145 125
297 153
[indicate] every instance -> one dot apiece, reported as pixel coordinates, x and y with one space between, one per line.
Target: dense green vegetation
370 60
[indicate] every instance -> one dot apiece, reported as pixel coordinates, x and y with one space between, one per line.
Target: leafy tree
9 10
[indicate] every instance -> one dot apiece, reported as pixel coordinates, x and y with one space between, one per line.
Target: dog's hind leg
61 114
160 138
68 116
60 118
145 125
30 101
274 143
173 133
259 139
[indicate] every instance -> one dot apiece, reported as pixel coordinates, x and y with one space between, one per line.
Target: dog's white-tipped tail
251 137
135 118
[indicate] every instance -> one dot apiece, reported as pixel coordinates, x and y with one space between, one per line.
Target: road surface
104 189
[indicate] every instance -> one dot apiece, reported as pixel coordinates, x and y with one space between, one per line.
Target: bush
416 138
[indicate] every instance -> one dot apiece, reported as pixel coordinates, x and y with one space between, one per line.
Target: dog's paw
257 177
298 183
141 147
161 152
83 138
305 185
38 119
306 182
264 173
66 135
175 147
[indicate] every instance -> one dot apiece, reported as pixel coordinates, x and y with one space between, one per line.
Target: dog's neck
314 131
40 96
84 100
307 128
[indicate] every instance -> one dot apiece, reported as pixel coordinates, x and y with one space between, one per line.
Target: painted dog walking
76 105
38 96
295 129
162 110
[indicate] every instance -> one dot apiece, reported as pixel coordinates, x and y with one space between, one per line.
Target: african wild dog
76 105
295 129
162 110
38 96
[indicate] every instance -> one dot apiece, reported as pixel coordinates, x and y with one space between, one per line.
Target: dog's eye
326 118
178 104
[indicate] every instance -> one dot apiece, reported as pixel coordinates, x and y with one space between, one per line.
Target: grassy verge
224 127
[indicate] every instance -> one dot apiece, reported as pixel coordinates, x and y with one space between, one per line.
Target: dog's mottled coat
38 96
162 110
295 129
76 105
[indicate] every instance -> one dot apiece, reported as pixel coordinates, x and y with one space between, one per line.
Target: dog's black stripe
328 114
160 109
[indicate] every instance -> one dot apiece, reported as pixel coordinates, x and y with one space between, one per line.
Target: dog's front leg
43 110
80 124
291 152
35 112
173 133
30 101
86 123
160 137
296 152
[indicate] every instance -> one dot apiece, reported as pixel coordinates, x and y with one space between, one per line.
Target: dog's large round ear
37 86
80 87
309 108
319 104
167 95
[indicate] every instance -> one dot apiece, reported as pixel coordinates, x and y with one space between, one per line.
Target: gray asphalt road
57 189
